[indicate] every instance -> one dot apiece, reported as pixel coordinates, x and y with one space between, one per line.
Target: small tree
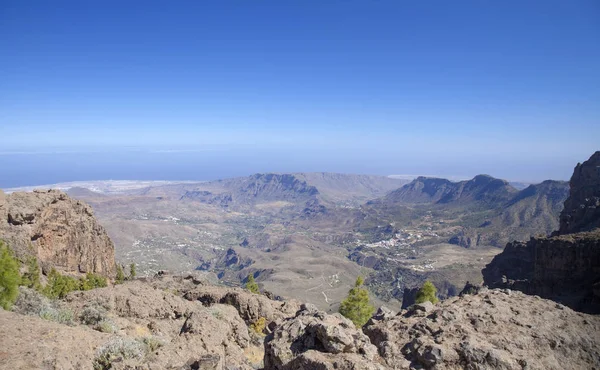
356 306
31 278
132 271
120 275
427 293
9 277
251 285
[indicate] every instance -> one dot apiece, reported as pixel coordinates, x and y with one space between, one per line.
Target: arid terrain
309 235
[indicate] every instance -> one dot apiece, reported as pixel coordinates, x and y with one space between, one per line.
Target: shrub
59 286
9 277
107 326
116 348
259 325
251 285
92 315
120 275
427 293
59 315
152 344
132 272
31 278
30 302
356 306
92 281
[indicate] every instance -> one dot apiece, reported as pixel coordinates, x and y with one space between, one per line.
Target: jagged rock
566 266
582 207
60 232
250 306
309 339
491 329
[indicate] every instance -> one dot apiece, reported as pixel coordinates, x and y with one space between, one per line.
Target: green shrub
31 278
120 275
92 281
427 293
251 285
59 286
9 277
132 272
356 306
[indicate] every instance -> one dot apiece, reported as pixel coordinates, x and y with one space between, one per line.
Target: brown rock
61 232
491 329
315 340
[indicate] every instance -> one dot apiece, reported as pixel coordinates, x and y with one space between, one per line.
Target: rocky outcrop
59 231
250 307
313 339
582 208
566 266
498 329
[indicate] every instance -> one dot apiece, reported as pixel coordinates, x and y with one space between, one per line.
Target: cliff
59 231
566 266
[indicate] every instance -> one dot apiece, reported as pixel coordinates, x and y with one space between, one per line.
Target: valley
309 235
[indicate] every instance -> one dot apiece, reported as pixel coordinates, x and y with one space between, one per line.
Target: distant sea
28 169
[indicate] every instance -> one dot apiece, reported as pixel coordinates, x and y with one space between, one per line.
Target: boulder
311 338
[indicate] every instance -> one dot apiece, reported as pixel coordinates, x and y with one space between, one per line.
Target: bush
356 306
259 325
116 348
106 326
59 286
120 275
31 278
427 293
132 272
9 277
59 315
92 315
92 281
251 285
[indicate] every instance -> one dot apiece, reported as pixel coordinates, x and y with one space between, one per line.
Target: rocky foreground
185 323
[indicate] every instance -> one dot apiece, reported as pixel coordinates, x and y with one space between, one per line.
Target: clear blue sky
510 88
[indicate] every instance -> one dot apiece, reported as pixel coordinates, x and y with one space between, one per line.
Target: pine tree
120 275
356 306
9 277
251 285
132 271
427 293
31 278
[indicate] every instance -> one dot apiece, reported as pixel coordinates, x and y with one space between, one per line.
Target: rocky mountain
481 190
582 208
59 231
566 266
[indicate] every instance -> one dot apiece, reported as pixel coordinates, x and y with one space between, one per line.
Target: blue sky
510 88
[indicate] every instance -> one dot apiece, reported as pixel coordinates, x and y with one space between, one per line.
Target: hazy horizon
199 90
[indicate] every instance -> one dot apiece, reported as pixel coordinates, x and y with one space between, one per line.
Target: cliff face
59 231
582 208
566 266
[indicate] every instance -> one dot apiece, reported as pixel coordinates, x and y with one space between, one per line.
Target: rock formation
582 208
566 266
313 339
59 231
499 329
